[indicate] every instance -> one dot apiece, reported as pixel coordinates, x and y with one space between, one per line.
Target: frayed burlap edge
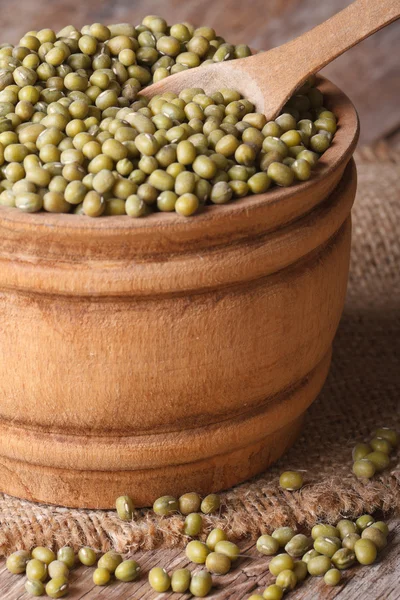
247 511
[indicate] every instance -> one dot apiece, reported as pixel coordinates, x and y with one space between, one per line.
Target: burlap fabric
362 392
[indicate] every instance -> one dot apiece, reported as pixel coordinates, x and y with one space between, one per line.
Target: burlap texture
361 393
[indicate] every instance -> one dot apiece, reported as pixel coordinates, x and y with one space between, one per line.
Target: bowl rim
334 158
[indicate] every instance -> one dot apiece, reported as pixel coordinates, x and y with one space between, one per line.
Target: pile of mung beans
76 135
42 565
326 553
373 457
330 549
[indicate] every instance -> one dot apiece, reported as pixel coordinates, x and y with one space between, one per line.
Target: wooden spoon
270 78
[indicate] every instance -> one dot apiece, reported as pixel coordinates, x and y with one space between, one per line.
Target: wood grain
369 73
250 575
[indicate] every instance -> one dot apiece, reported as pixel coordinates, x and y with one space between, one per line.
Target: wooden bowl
164 355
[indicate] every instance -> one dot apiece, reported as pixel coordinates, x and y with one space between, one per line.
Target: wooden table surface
370 75
250 575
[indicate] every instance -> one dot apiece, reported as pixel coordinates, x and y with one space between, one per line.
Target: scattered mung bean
197 552
193 524
165 505
344 558
201 584
272 592
125 508
376 536
128 570
57 569
189 503
216 535
180 580
101 576
34 588
332 577
280 563
291 480
283 535
268 545
159 580
228 548
67 556
110 561
319 565
286 580
36 570
349 540
218 563
298 545
300 570
57 588
365 551
87 556
16 563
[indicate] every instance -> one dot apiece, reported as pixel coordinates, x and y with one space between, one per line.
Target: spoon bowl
235 74
270 78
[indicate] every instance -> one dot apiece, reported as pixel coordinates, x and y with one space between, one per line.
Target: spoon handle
322 44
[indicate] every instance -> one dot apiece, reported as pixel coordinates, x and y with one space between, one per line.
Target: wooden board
369 73
250 575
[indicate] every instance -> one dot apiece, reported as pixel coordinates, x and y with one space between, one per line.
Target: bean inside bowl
77 137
